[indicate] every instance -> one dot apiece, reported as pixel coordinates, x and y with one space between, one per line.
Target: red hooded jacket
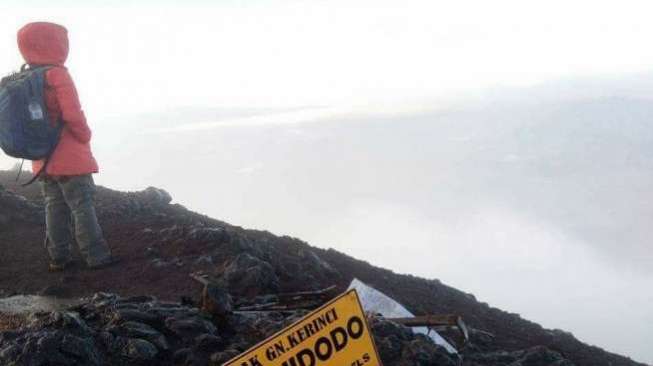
47 44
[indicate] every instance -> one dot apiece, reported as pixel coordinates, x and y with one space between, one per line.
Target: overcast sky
503 147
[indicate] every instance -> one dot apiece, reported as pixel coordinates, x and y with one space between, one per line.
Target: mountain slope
161 243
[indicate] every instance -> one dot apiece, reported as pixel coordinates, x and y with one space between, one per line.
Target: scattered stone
209 234
536 356
16 209
140 350
207 342
250 276
9 352
216 301
83 349
126 315
398 345
132 329
204 259
181 356
190 327
218 358
158 262
156 196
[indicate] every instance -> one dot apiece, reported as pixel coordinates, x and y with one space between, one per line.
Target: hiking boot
105 263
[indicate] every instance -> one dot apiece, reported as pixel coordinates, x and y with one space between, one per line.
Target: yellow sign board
336 334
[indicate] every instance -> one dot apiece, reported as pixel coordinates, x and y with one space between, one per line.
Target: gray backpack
25 129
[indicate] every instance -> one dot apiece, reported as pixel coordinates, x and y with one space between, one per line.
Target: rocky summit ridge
145 310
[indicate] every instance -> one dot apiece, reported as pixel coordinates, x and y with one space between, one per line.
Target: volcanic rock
216 301
249 276
251 266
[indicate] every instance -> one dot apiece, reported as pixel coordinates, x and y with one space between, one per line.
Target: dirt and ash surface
134 313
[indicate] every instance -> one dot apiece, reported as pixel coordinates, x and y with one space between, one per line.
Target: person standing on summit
67 184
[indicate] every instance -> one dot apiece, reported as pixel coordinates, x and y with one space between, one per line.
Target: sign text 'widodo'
336 334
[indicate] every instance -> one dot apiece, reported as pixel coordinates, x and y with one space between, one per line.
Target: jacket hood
43 43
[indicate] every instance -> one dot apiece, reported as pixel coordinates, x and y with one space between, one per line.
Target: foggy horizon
507 151
519 197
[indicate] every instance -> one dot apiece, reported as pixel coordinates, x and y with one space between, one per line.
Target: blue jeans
70 213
